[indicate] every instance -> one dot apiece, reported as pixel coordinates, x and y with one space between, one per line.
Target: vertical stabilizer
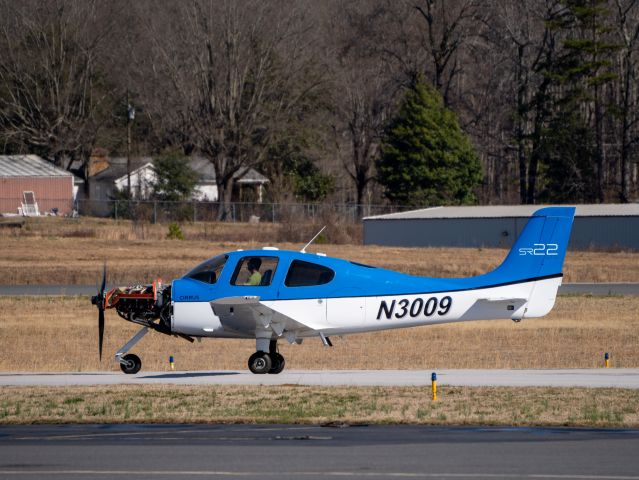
541 248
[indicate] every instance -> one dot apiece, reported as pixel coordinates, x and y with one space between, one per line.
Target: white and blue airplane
270 295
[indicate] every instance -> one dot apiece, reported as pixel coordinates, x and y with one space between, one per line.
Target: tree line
516 101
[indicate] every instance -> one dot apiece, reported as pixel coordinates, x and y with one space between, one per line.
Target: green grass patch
299 404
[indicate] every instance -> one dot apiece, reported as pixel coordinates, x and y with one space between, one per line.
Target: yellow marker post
607 359
171 363
433 381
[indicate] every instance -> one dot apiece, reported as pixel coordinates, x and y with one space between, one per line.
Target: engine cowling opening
143 304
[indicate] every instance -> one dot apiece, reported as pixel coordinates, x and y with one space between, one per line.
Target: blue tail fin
540 249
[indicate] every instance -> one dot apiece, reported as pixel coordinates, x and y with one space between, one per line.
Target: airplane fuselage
270 294
358 298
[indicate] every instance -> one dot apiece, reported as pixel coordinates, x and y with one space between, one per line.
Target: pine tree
175 180
426 158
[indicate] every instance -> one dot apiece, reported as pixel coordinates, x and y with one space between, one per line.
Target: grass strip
576 407
59 334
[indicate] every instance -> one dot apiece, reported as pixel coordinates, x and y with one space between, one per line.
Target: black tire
278 364
260 363
131 364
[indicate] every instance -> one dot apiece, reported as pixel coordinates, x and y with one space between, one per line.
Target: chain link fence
197 211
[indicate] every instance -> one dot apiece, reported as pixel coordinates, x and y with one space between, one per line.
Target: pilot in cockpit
253 266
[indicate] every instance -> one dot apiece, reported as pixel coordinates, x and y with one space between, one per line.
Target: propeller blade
103 280
100 301
100 330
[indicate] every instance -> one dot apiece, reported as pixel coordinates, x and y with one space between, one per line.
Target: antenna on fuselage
303 250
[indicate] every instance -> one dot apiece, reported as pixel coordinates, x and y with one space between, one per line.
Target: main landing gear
266 362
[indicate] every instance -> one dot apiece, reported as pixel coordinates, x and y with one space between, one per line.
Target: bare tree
235 80
448 25
521 32
363 96
51 85
627 19
237 70
365 112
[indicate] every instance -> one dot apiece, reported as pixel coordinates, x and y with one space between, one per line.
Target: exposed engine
143 304
146 305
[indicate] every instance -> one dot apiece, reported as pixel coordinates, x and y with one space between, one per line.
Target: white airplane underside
271 295
246 317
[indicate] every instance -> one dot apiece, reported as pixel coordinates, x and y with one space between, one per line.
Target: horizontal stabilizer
496 307
503 300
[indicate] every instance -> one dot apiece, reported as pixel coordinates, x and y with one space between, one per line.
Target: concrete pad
614 377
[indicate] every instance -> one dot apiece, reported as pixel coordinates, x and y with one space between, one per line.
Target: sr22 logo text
539 249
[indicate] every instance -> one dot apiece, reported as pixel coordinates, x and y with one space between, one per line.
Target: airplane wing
248 314
506 303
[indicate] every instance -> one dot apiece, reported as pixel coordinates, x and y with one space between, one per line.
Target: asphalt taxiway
612 377
315 452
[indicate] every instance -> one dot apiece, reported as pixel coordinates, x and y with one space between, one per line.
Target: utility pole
130 115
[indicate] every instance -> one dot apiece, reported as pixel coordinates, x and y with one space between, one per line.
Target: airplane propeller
99 301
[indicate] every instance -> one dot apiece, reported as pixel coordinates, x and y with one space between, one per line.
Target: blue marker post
433 381
606 359
171 363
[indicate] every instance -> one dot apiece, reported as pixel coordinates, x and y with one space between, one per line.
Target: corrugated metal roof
500 211
29 166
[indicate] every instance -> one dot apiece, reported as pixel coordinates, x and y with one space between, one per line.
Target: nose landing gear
130 364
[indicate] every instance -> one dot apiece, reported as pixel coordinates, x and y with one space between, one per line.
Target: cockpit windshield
209 270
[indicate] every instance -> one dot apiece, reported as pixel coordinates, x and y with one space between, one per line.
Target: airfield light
171 363
607 359
433 381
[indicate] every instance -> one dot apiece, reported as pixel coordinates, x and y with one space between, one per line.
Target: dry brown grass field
338 405
50 334
72 251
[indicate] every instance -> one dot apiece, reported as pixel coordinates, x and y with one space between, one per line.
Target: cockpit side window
306 274
254 271
208 271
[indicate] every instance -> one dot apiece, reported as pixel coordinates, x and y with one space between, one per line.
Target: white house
114 176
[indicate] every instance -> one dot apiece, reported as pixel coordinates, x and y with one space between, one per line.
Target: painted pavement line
228 473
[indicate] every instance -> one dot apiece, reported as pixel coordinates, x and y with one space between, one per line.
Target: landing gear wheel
131 364
278 364
260 362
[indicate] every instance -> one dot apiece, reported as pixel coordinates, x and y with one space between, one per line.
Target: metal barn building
30 185
602 226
